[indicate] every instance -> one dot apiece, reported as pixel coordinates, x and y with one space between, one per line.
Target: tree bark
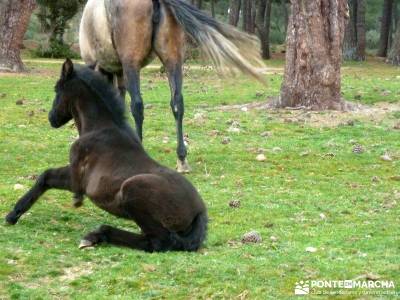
350 37
247 16
314 54
14 19
212 8
394 54
234 12
361 32
386 21
199 4
263 23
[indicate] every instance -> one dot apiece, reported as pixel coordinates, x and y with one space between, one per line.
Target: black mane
106 94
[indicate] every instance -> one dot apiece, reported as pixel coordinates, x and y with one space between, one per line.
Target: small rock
251 237
358 149
386 157
305 153
261 157
375 179
244 109
226 140
273 238
266 134
234 203
311 249
165 139
322 216
18 186
19 102
234 129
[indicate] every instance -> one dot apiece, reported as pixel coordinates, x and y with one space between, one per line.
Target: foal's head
61 110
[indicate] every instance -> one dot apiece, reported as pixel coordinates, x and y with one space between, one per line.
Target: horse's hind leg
115 236
132 29
169 46
53 178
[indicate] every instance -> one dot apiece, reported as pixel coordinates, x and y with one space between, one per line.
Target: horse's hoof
86 244
183 167
11 218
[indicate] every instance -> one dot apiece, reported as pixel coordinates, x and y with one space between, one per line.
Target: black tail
226 47
192 240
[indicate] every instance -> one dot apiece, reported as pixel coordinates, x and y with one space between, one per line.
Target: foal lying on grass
110 166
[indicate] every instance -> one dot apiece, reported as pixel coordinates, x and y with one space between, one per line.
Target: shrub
56 49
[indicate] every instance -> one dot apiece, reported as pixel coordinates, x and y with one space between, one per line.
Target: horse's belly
95 38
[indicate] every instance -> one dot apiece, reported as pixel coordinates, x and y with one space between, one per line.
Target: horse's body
110 166
119 37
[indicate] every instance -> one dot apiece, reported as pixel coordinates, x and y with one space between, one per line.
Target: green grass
281 197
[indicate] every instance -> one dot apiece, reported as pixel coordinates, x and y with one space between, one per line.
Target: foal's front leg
50 179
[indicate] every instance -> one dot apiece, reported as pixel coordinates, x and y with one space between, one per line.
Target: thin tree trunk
212 8
199 4
247 16
234 12
386 22
285 11
361 32
263 22
394 54
350 38
14 19
314 54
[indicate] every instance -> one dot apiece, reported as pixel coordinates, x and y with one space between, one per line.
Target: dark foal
110 166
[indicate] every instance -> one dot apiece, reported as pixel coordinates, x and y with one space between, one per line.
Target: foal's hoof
86 244
11 218
183 167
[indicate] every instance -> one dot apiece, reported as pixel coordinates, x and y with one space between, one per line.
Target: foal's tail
227 47
192 240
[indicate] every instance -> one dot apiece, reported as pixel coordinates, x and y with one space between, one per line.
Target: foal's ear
67 69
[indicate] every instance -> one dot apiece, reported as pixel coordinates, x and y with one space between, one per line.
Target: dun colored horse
110 166
119 37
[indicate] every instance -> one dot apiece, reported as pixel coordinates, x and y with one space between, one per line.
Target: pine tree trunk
314 54
394 54
234 12
350 38
263 22
386 21
212 8
361 32
14 19
247 16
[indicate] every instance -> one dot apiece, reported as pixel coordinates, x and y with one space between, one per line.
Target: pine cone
358 149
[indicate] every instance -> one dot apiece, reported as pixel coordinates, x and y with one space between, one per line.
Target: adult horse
110 166
119 37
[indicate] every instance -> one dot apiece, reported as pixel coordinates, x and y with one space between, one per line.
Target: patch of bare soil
72 273
364 113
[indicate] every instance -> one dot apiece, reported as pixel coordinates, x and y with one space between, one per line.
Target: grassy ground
312 191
